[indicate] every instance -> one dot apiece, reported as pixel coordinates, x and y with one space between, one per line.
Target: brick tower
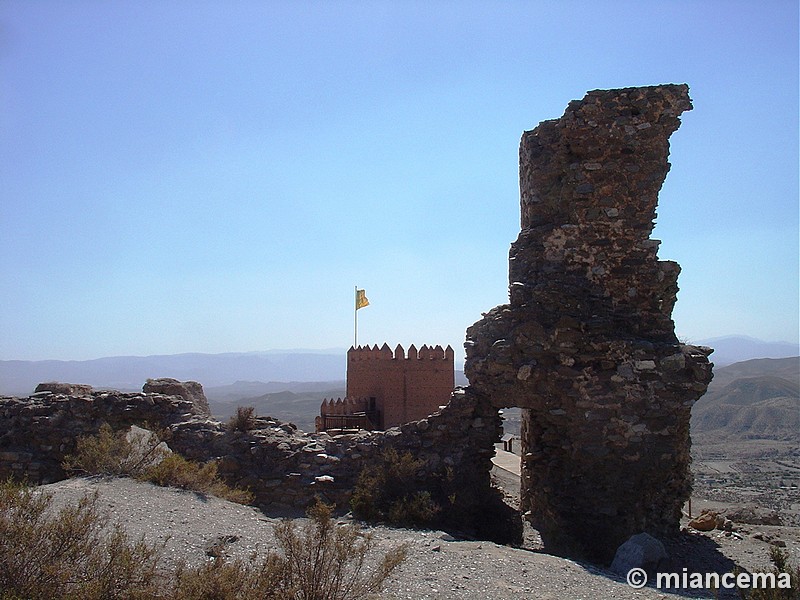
386 389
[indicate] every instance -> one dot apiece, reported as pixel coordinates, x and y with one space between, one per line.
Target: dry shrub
318 560
324 561
66 554
142 455
780 565
176 471
244 420
116 453
218 579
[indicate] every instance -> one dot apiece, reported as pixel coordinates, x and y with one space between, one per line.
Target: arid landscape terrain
746 461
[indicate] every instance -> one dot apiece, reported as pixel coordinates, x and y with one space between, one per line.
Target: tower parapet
385 353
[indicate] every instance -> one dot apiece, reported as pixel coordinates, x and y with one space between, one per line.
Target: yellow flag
361 299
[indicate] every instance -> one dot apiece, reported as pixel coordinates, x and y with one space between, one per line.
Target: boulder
705 521
188 390
753 515
146 449
641 551
69 389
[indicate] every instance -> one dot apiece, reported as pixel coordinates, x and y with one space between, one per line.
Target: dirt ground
759 476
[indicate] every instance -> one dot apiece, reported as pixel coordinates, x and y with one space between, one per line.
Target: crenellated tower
387 388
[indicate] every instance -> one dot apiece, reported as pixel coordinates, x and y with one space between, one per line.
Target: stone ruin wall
281 465
37 432
586 346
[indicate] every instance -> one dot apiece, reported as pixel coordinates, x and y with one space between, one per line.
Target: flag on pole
361 299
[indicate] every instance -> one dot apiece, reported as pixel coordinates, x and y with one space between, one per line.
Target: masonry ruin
386 389
586 346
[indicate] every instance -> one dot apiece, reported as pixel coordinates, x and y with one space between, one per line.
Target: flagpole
355 319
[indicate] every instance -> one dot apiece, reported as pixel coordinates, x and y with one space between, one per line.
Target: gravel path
438 566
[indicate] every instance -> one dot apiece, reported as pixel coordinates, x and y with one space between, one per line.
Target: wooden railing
368 420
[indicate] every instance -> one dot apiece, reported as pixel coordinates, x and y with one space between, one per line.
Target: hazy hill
731 349
250 389
750 400
19 378
784 368
294 402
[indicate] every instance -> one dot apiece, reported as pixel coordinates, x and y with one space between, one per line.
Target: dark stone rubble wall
586 345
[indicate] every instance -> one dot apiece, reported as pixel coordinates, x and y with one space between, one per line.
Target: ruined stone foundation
586 346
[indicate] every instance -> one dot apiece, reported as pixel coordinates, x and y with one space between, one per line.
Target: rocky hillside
293 403
756 399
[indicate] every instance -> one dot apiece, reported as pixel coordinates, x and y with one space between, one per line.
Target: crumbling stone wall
278 463
586 346
188 390
36 433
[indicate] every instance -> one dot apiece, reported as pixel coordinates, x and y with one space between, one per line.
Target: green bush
413 510
390 491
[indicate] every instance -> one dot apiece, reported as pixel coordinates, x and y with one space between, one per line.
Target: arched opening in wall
506 473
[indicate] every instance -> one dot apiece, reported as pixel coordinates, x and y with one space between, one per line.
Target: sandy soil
439 566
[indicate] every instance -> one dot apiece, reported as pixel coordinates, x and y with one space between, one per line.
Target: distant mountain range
751 398
737 348
19 378
267 372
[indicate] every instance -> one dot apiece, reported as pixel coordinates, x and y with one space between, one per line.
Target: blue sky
218 176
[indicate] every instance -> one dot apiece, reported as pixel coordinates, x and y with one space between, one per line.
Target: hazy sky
218 176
